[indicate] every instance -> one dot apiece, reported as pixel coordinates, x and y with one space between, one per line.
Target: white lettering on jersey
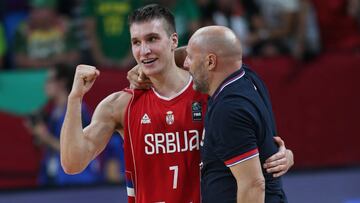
185 141
149 149
170 143
194 141
160 143
202 138
145 119
159 140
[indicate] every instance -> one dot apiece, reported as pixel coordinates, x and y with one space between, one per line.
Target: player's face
195 63
151 46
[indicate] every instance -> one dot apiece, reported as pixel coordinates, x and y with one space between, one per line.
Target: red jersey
161 146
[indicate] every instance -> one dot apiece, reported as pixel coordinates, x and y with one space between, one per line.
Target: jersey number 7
176 174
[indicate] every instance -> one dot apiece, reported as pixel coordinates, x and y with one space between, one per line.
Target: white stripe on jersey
175 95
130 191
242 160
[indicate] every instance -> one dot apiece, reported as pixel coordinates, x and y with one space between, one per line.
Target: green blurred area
22 92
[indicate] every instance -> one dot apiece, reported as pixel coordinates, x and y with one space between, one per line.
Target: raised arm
79 146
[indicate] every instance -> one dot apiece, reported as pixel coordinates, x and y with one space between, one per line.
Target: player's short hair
151 12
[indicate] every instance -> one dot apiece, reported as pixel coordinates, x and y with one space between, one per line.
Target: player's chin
152 70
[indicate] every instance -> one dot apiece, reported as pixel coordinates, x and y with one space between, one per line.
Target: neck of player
170 81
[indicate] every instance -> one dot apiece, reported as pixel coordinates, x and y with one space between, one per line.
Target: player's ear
211 61
175 41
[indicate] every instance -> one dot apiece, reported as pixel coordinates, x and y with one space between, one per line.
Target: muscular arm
250 181
79 146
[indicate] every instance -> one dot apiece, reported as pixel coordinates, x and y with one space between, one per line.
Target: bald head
219 40
214 53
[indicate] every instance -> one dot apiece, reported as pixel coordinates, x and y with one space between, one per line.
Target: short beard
201 82
201 86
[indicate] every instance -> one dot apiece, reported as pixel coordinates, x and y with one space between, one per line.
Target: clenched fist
84 79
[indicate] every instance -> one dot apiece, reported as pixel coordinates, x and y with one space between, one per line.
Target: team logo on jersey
196 111
145 119
169 117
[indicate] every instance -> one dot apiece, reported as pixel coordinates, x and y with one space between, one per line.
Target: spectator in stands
12 12
237 15
306 44
46 131
339 26
68 7
187 17
206 8
354 9
12 6
108 33
274 29
2 46
45 38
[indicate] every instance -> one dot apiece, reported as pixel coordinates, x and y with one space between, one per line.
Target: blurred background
307 52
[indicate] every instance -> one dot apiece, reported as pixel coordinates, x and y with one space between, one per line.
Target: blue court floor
332 186
325 186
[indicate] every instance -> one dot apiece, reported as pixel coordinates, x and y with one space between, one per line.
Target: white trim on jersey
132 149
229 82
130 191
177 94
242 160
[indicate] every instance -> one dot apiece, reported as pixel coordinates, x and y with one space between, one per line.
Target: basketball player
162 127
